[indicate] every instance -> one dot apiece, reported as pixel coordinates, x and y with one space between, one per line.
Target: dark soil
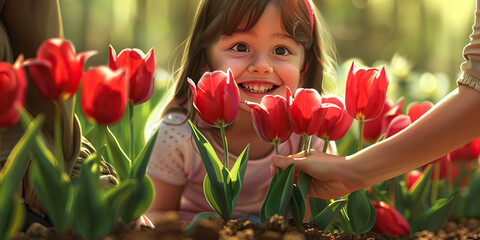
170 227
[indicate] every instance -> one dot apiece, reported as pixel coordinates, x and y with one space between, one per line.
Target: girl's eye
283 51
240 47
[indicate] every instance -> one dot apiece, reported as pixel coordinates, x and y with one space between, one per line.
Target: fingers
273 169
283 162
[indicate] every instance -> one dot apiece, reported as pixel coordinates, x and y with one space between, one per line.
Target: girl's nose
260 65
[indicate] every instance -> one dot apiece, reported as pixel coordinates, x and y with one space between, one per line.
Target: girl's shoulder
174 123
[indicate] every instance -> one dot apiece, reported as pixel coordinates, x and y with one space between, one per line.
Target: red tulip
365 94
269 117
307 111
140 70
57 70
397 124
416 110
467 152
445 164
336 123
412 177
374 129
104 95
216 98
12 91
389 220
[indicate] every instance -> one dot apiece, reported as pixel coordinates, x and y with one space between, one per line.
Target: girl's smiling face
264 60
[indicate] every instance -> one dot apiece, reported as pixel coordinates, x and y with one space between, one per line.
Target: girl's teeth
257 88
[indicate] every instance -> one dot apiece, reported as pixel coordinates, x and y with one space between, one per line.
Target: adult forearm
450 124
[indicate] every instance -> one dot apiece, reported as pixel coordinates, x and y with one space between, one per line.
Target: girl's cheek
290 74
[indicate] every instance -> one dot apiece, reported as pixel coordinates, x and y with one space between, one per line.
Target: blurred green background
419 41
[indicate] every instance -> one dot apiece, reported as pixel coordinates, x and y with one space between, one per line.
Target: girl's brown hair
217 17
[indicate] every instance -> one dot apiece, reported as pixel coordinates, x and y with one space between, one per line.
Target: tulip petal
112 60
42 77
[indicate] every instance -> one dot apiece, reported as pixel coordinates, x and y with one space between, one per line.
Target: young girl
269 45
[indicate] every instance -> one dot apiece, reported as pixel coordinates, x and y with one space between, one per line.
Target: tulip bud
416 110
390 221
336 123
140 71
412 177
269 117
307 111
57 70
366 90
216 98
104 95
13 87
397 124
375 128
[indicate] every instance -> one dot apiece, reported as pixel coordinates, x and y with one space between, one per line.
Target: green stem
101 136
58 134
360 138
325 144
1 131
436 177
275 146
225 145
305 145
392 192
132 136
309 145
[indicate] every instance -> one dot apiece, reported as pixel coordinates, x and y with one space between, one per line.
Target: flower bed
170 227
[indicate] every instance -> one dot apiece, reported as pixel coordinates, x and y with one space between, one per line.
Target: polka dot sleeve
172 153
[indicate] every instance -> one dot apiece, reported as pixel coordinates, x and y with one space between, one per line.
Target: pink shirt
175 160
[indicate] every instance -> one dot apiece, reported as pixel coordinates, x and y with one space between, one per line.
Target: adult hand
330 176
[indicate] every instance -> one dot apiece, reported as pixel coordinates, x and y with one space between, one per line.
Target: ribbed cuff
470 81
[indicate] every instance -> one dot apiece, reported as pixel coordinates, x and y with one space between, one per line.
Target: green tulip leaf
216 188
92 223
297 206
304 183
359 210
118 196
14 217
262 215
419 193
237 174
279 197
140 165
50 181
379 196
461 175
13 171
190 229
213 199
96 136
209 157
436 216
120 160
422 185
139 201
325 217
371 221
317 205
473 196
